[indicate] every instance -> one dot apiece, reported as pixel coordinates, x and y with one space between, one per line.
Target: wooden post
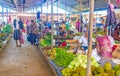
91 15
65 9
47 10
51 25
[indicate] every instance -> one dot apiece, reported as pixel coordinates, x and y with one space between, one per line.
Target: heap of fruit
63 58
79 71
81 61
51 54
106 70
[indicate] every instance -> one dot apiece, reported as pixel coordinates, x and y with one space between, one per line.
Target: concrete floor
23 61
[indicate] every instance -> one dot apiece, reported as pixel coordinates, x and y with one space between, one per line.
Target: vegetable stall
93 63
5 35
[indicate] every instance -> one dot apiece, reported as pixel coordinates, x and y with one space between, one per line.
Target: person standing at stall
32 32
78 25
20 22
21 26
17 33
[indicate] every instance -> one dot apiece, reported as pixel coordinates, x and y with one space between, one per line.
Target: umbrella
110 19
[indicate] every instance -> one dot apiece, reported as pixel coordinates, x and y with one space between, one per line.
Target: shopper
78 25
32 32
116 33
20 22
63 25
17 33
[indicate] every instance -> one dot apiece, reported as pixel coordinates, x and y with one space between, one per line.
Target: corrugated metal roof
69 5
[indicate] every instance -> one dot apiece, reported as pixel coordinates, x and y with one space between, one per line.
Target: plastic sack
64 44
22 39
112 41
104 46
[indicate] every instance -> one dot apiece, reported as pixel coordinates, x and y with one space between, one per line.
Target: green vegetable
116 67
118 73
63 58
81 61
46 41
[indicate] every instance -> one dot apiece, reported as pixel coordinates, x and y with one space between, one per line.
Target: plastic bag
22 39
104 46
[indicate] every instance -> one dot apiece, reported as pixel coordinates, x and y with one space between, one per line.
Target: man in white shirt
83 41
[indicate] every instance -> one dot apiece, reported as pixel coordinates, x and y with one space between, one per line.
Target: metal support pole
3 12
41 11
91 15
7 14
57 9
51 25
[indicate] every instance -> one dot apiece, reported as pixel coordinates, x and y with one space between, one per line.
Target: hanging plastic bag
22 39
104 46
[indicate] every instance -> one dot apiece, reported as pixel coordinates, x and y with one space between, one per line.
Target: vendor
61 31
83 41
116 33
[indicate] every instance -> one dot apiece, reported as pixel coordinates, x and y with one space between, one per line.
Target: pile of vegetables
7 29
4 33
106 70
46 41
63 58
81 61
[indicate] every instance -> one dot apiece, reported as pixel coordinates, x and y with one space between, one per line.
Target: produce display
51 53
63 58
7 29
106 70
81 61
46 41
4 33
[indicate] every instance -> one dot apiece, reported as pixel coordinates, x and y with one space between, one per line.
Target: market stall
94 62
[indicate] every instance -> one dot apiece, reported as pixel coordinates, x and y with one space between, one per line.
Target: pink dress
78 25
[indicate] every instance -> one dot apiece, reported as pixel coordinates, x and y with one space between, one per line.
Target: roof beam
68 5
7 4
